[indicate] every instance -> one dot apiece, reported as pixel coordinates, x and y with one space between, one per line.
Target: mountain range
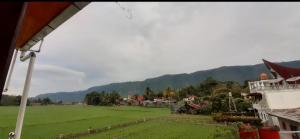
176 81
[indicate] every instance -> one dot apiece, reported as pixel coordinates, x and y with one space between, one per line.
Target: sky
116 42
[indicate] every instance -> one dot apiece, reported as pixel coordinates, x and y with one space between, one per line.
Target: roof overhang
284 72
41 18
287 114
26 23
293 79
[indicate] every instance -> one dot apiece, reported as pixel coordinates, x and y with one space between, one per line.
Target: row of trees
209 87
103 98
8 100
44 101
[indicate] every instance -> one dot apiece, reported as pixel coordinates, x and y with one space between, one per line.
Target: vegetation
103 98
8 100
211 95
215 94
44 101
43 122
211 88
222 117
149 94
174 126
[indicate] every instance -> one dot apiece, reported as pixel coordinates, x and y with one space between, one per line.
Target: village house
276 100
190 98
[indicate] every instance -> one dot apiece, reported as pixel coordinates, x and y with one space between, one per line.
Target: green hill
225 73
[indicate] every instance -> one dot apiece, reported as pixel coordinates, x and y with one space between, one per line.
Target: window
283 125
294 135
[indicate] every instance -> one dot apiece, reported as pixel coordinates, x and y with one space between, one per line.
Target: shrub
220 117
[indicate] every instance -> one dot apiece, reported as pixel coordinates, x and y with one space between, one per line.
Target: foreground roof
41 18
26 23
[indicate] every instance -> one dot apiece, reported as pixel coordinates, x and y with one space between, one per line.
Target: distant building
140 98
190 98
158 100
275 98
147 103
129 97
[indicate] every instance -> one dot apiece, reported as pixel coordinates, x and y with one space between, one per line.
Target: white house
276 97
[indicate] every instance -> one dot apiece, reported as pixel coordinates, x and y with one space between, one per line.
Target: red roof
140 98
284 72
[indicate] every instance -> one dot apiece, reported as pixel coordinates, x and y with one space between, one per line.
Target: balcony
272 84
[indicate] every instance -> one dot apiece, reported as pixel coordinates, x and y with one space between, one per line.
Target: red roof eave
284 72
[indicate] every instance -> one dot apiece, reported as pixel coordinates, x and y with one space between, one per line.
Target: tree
103 98
207 86
90 98
242 105
245 85
46 101
149 94
159 94
114 98
220 103
229 84
18 100
167 92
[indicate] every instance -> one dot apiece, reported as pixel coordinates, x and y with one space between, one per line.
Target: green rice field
46 122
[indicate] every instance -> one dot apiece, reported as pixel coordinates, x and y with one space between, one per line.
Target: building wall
273 121
282 99
277 99
285 125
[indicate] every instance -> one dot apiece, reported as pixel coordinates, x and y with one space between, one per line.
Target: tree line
213 92
103 98
9 100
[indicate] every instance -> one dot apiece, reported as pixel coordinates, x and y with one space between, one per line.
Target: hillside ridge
238 73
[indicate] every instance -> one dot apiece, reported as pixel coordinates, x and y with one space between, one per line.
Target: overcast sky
101 44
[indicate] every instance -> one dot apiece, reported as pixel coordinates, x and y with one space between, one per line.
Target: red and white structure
274 97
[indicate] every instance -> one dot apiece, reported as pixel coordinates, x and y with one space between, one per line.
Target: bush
220 117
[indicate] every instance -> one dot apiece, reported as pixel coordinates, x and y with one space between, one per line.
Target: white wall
283 99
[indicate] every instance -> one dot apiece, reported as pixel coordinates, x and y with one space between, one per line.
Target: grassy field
171 127
43 122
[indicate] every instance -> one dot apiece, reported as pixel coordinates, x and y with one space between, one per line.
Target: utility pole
230 102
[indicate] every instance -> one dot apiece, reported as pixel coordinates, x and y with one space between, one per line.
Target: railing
270 85
256 106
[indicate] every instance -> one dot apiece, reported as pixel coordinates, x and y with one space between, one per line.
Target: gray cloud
100 45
